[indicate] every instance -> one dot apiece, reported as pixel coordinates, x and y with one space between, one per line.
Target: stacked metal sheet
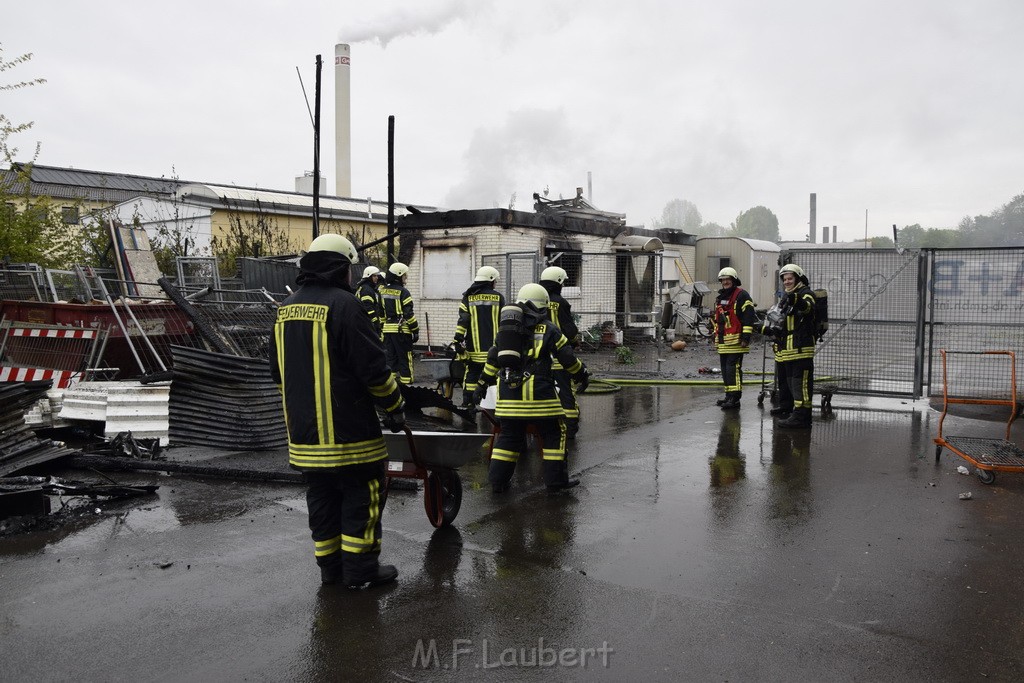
20 448
224 401
123 406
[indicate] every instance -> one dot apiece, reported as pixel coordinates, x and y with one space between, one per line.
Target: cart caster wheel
442 496
760 399
938 452
986 476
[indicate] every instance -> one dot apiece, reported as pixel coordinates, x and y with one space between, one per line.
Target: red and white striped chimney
342 122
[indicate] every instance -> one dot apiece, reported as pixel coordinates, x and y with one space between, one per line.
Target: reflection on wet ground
702 544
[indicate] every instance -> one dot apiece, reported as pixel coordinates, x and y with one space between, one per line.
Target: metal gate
891 311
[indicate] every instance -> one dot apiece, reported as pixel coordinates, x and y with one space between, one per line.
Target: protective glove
415 337
394 421
583 382
460 349
479 394
744 340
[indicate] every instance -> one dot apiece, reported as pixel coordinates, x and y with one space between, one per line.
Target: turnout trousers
732 371
566 395
469 380
511 442
345 506
398 351
796 383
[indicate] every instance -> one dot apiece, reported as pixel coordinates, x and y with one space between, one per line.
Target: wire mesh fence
976 303
892 312
874 317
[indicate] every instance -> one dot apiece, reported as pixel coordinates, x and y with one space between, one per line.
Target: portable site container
755 261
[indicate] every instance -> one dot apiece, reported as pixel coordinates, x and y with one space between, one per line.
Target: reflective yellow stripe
335 455
506 456
371 524
322 384
331 545
382 390
806 401
516 408
279 333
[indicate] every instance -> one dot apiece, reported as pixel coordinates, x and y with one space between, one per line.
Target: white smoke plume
420 18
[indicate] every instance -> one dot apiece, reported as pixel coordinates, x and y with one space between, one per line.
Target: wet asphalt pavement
701 545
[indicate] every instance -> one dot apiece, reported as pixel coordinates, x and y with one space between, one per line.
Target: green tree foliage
680 214
882 243
713 230
757 223
8 129
34 229
248 236
1003 227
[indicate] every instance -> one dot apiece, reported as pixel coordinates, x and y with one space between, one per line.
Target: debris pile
19 446
224 401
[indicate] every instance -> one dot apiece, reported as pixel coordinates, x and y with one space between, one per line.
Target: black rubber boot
782 411
562 486
732 400
385 573
799 419
331 574
722 400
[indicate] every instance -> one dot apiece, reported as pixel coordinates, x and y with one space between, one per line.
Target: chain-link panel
976 304
874 304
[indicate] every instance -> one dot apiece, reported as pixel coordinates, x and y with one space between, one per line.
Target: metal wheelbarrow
434 458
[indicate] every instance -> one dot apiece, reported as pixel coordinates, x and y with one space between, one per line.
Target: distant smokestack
824 234
814 218
835 234
342 122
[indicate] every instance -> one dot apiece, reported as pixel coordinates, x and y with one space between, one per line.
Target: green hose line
666 382
601 386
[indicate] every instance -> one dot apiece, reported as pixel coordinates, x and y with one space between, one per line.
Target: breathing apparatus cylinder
509 339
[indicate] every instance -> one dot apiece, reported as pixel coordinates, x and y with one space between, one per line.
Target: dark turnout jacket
478 319
328 361
535 397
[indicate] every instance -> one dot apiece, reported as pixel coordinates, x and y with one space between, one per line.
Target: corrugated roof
69 183
221 194
756 245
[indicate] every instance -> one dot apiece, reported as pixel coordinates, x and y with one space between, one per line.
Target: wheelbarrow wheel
442 496
986 476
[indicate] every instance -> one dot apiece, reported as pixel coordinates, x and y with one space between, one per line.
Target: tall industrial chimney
824 234
813 237
342 122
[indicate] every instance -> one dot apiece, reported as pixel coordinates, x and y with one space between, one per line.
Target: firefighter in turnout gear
401 330
327 359
369 297
477 327
560 313
520 362
794 348
734 324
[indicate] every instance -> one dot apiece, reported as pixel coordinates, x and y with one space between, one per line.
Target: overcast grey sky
910 109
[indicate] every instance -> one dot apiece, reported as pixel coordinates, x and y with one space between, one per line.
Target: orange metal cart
987 455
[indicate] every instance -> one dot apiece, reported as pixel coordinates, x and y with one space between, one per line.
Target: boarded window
447 271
